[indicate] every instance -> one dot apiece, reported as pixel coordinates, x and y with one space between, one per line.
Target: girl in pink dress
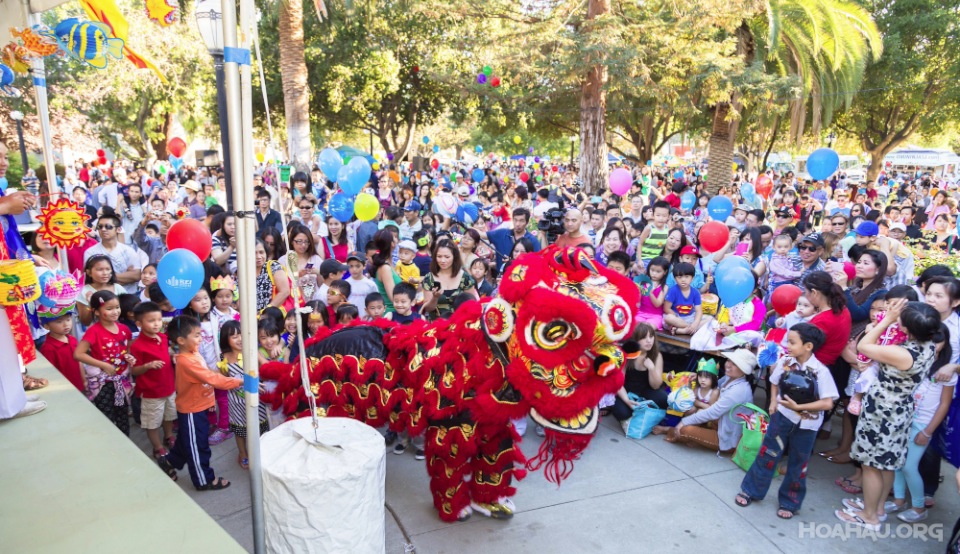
653 289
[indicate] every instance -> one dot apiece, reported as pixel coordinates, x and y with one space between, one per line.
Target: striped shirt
652 247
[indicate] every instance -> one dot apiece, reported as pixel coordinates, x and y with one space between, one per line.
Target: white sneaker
31 408
912 516
32 398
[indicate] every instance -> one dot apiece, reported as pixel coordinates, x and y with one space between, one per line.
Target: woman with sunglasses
306 214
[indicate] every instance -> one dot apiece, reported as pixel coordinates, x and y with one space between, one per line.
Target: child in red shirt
59 346
155 379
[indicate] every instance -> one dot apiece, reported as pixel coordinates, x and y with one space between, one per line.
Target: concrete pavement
644 495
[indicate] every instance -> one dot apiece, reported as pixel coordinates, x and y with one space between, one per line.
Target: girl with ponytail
832 316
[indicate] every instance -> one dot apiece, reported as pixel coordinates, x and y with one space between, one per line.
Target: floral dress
265 285
445 302
884 426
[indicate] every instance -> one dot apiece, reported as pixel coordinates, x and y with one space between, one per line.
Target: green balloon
539 178
487 70
453 177
163 170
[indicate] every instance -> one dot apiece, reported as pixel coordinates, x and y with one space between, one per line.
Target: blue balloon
679 174
354 176
341 206
330 163
822 163
436 148
735 280
3 184
180 273
477 175
747 191
176 162
479 149
720 208
688 200
467 213
426 139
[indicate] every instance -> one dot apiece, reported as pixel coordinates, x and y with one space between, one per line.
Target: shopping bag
645 417
754 428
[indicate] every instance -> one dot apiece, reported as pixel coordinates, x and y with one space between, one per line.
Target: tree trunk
593 117
876 159
293 76
720 153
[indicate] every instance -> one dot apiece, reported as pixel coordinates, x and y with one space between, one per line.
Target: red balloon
555 169
192 235
714 236
101 161
784 299
763 185
177 147
434 163
495 81
101 153
524 176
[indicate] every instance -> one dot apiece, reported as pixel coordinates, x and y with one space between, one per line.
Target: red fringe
557 454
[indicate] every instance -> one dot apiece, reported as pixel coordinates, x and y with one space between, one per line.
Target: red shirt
109 347
155 383
872 194
837 329
60 356
673 200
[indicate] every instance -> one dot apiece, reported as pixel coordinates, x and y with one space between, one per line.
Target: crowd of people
878 344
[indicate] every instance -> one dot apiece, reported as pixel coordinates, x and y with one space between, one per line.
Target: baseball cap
463 190
689 249
356 256
407 245
412 206
898 225
784 212
867 229
814 238
330 266
742 207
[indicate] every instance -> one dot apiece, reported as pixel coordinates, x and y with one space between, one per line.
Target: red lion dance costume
546 346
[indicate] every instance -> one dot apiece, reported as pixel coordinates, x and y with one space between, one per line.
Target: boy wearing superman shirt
682 308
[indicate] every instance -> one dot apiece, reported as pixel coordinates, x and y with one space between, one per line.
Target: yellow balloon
734 166
375 166
376 157
506 178
260 157
366 206
536 166
516 139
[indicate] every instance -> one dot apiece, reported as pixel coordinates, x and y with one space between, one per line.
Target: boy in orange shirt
195 384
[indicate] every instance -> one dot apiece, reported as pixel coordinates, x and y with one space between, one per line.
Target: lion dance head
559 320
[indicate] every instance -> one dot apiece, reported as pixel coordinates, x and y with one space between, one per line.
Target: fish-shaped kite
88 41
37 41
163 12
107 12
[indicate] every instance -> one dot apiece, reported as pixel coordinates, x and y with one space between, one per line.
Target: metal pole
571 152
43 111
224 128
23 147
371 142
240 126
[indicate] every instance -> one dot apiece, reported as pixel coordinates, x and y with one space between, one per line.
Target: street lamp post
18 117
573 141
209 16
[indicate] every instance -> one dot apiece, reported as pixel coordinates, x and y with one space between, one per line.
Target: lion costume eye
552 334
615 318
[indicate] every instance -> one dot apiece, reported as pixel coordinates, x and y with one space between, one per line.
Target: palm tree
294 79
825 44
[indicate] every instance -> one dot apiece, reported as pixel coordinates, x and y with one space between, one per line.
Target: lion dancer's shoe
503 509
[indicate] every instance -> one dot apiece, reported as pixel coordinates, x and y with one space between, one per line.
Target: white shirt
107 195
953 326
825 386
926 399
359 289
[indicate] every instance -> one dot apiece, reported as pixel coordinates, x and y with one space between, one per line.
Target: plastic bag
645 417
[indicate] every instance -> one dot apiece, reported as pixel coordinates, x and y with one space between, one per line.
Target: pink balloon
620 181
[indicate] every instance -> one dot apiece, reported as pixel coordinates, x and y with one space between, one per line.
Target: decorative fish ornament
88 41
163 12
6 80
37 41
108 13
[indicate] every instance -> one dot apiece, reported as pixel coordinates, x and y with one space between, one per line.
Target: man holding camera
573 230
503 240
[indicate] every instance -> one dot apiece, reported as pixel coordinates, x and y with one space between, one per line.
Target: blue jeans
908 477
781 434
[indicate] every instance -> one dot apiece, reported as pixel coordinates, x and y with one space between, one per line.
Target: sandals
784 513
33 383
167 467
837 460
854 407
742 500
854 519
160 452
170 441
847 485
218 484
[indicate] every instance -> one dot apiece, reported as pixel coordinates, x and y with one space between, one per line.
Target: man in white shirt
411 220
125 260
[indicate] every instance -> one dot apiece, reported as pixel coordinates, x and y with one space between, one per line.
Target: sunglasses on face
106 227
838 222
807 247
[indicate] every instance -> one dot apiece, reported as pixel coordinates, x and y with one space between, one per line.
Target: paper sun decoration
63 223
